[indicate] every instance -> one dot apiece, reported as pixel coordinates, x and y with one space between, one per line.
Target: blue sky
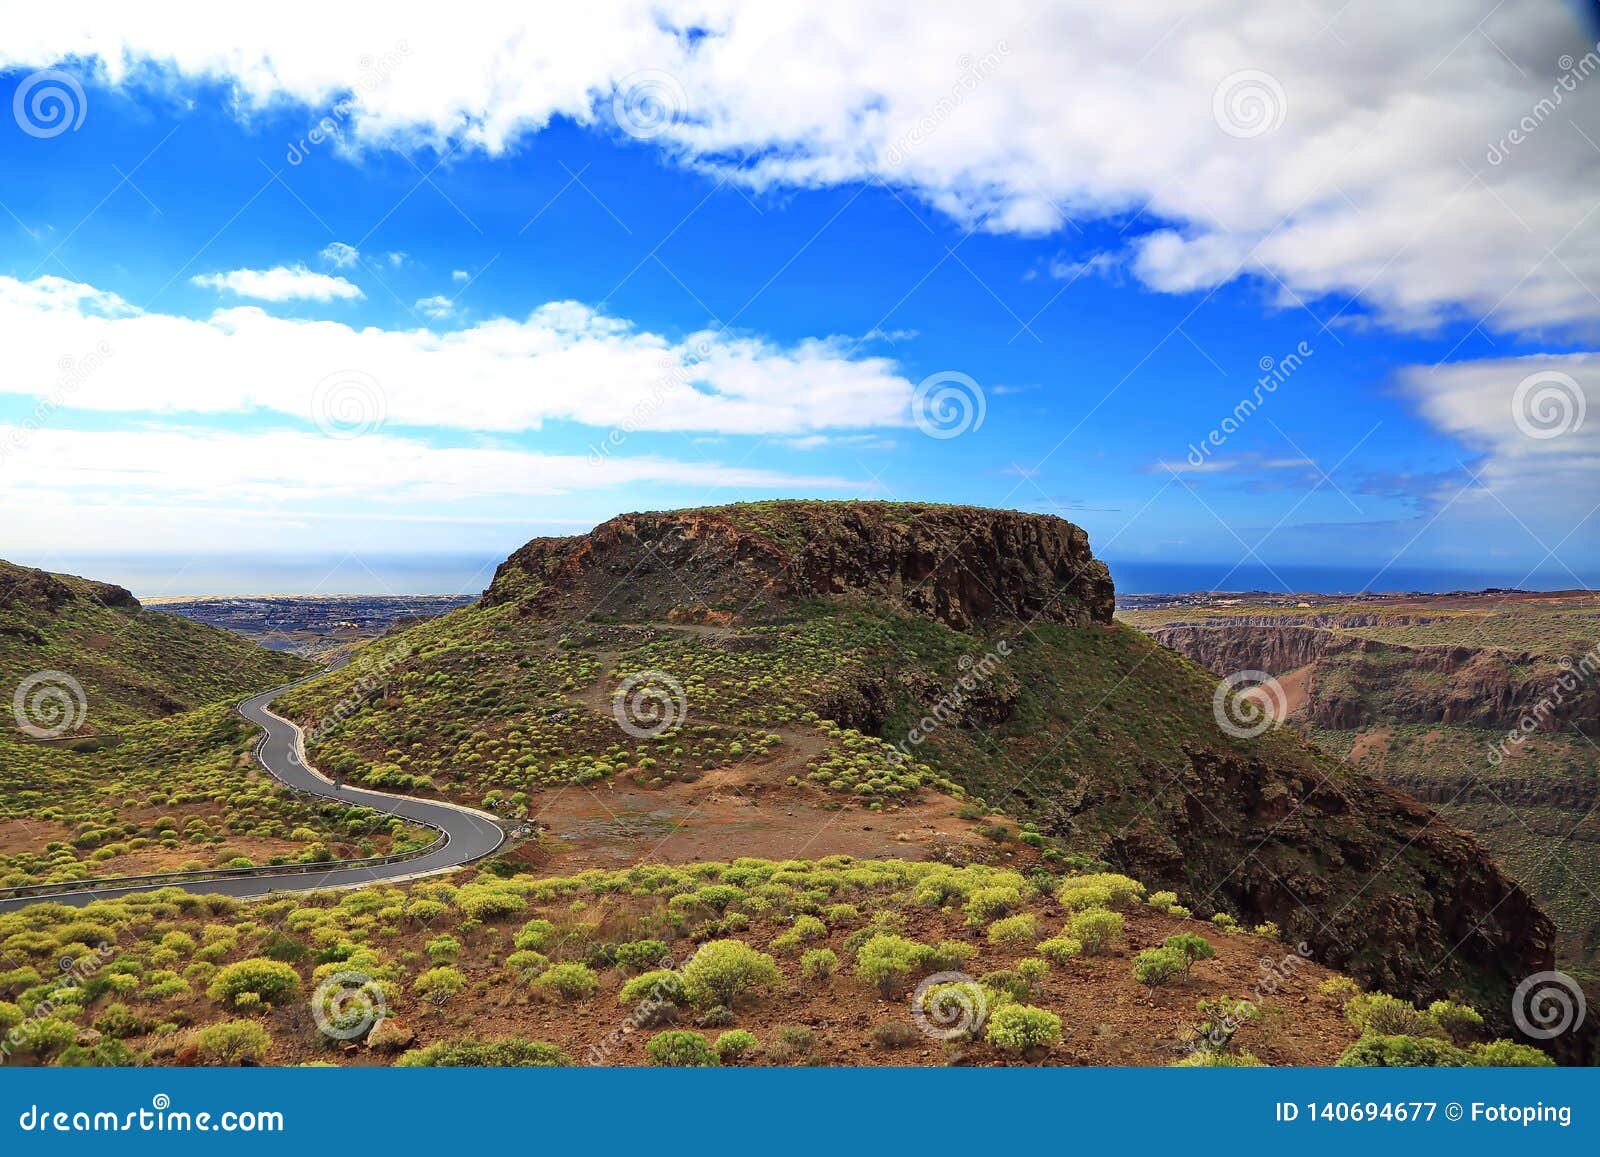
540 311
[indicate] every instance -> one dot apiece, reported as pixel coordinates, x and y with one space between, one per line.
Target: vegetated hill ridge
870 615
133 664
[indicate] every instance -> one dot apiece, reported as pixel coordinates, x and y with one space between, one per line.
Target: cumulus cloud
563 361
1531 426
435 308
1424 164
280 283
340 255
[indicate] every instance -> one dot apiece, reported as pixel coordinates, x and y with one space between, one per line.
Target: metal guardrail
262 872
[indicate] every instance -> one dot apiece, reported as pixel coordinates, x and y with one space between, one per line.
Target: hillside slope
132 664
873 654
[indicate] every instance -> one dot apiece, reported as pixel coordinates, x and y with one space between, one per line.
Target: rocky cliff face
963 566
25 590
1356 682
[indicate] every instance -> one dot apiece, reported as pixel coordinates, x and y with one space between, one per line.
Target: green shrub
1033 970
469 1052
1339 988
534 936
680 1049
1461 1022
1096 928
1207 1059
888 962
793 1042
987 904
1158 966
1225 921
117 1021
443 949
662 986
527 964
733 1046
1015 931
724 970
233 1042
569 981
1190 947
1099 890
641 955
950 956
254 982
486 902
818 963
1504 1054
1399 1051
1380 1014
1060 949
438 985
1161 901
1021 1029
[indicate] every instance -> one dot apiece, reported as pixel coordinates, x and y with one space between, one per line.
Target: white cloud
64 487
281 283
436 308
1011 113
1530 428
459 275
340 255
562 361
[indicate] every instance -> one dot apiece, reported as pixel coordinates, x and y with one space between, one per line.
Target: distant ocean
152 575
1149 578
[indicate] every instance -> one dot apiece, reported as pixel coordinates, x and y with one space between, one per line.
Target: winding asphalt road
471 834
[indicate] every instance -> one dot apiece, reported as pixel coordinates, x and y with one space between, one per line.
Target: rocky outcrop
963 566
24 590
1373 881
1356 682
